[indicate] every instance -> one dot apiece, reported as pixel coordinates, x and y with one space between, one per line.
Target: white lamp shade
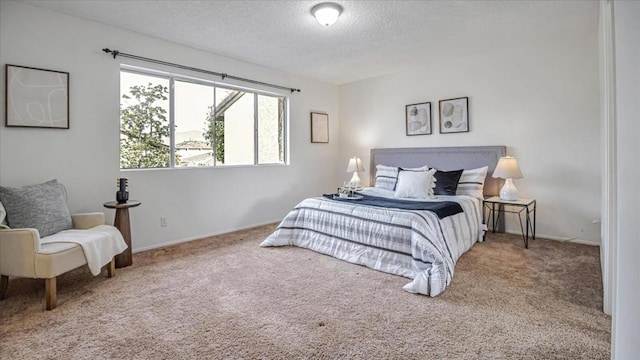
507 168
355 164
326 13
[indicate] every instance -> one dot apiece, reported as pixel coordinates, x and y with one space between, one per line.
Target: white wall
626 313
540 100
85 158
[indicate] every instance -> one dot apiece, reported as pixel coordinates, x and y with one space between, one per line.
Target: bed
417 239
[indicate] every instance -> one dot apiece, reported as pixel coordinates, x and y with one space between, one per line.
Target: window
144 121
168 121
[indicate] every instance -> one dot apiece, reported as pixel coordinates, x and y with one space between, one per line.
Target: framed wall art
454 115
418 118
319 127
36 98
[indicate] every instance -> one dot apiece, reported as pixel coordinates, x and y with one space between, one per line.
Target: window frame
173 77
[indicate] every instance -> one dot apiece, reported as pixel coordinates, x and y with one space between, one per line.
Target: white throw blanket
100 244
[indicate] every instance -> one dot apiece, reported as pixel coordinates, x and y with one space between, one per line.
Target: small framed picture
418 118
37 98
454 115
319 127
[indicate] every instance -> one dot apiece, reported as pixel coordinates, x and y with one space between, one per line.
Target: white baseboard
198 237
558 238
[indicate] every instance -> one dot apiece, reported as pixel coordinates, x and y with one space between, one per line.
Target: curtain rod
222 75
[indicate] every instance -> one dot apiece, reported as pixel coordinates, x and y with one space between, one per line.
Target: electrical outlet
163 222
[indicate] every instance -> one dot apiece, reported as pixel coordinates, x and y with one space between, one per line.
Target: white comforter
412 243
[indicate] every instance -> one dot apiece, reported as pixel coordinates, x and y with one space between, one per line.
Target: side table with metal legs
498 206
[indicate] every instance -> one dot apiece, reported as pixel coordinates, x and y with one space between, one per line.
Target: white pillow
415 184
421 168
472 182
433 178
386 177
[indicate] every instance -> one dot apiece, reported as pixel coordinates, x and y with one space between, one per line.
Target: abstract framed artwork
418 119
36 98
454 115
319 127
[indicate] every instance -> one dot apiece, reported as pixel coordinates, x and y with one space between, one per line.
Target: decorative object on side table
418 118
508 169
454 115
355 166
122 195
121 222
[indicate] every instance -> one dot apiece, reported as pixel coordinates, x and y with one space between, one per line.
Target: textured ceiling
371 38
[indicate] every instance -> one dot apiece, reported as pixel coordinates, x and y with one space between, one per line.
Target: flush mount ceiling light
326 13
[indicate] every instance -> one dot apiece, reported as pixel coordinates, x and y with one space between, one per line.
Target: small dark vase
122 195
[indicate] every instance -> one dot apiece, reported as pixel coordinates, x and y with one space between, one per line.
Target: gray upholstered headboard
443 158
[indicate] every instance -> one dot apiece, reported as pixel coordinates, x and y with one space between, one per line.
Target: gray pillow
42 206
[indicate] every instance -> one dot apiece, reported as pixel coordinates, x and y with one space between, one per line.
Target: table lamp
355 165
508 169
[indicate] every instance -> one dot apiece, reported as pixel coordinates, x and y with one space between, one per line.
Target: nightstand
497 206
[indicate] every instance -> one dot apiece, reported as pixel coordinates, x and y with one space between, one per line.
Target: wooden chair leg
4 284
111 268
50 293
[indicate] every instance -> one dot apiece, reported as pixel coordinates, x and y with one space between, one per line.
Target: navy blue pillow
447 182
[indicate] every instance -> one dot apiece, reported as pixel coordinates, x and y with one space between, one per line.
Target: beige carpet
224 297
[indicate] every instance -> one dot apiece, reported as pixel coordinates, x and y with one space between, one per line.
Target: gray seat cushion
42 207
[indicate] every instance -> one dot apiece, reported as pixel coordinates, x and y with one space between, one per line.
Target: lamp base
509 191
355 180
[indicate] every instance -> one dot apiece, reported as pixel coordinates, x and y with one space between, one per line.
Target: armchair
85 240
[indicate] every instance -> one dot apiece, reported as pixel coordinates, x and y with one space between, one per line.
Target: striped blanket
412 243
